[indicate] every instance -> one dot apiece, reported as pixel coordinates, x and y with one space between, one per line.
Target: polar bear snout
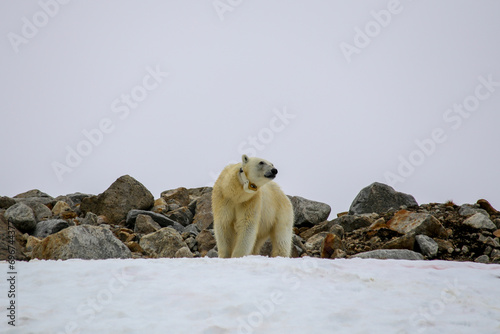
272 173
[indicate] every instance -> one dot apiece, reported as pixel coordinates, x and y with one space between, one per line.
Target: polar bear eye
261 163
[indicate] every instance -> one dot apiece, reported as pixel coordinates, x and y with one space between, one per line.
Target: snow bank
255 295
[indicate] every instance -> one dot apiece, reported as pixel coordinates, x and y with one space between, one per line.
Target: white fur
245 219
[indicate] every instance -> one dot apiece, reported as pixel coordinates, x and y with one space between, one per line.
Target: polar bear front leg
245 239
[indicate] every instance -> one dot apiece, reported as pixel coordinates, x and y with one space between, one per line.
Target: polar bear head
257 172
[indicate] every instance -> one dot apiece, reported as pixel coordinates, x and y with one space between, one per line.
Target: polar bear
250 208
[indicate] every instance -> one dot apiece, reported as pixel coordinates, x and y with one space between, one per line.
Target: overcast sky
337 94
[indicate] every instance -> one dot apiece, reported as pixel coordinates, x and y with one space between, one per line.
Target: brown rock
134 247
406 241
322 227
10 238
184 252
418 223
145 224
203 217
206 242
179 196
162 243
485 205
313 244
497 233
60 207
331 243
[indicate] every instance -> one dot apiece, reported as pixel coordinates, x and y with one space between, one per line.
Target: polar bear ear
244 159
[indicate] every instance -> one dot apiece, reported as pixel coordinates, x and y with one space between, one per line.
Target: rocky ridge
125 221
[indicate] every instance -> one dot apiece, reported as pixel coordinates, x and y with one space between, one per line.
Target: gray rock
480 221
428 246
81 242
157 217
467 210
73 199
145 224
47 227
191 229
123 195
40 210
483 259
203 218
183 216
397 254
212 253
162 243
90 219
352 222
22 217
380 198
307 212
184 252
34 195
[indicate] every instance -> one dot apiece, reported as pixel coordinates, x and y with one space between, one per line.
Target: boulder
380 198
47 227
384 254
157 217
10 240
181 215
405 222
162 243
123 195
353 222
331 246
40 210
144 224
6 202
35 195
307 212
203 218
90 219
206 242
22 217
313 244
427 246
184 252
468 210
480 221
81 242
179 196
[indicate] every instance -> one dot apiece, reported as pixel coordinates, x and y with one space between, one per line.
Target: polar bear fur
250 208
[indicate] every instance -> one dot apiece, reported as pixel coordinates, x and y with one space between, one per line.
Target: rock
485 205
81 242
191 243
480 221
184 252
144 224
40 210
191 229
321 227
182 215
266 249
417 223
6 202
307 212
179 196
90 219
444 246
22 217
397 254
157 217
32 242
406 241
35 195
125 235
123 195
160 206
380 198
467 210
331 243
60 207
483 259
313 244
212 253
206 242
203 218
428 247
297 246
10 239
134 247
497 233
162 243
47 227
338 230
352 222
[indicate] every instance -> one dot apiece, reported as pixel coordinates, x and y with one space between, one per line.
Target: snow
255 295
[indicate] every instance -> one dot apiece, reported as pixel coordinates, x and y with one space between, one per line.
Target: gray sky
337 94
